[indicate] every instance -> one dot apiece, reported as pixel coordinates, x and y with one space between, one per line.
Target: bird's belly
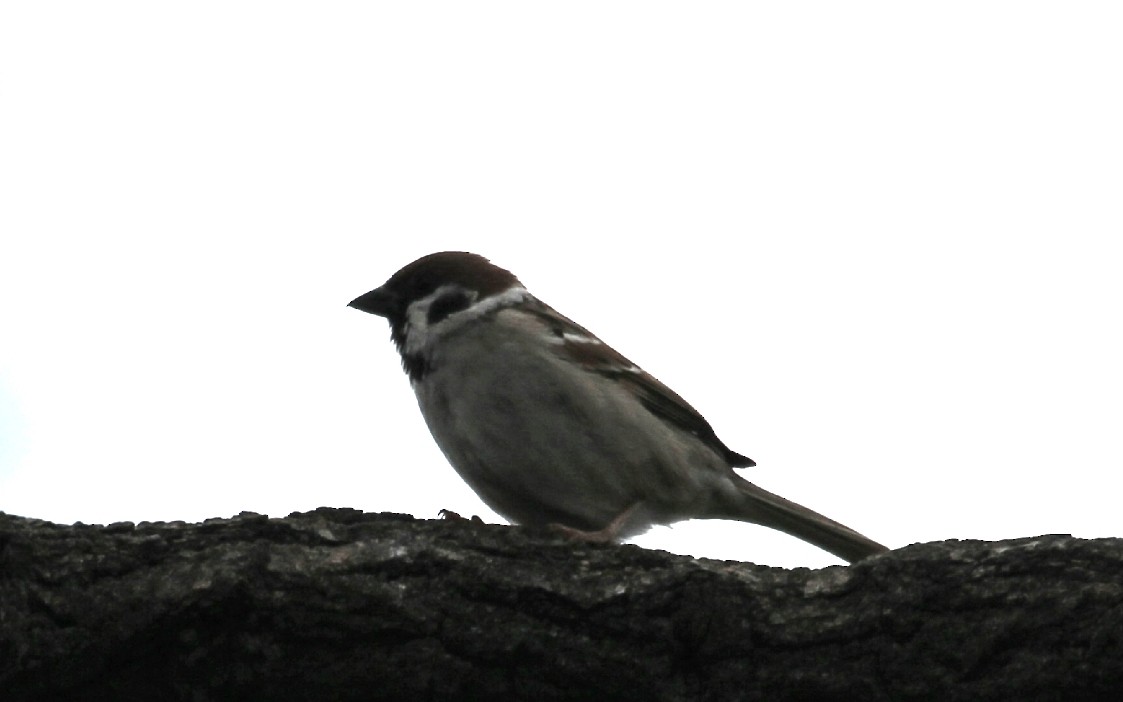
540 448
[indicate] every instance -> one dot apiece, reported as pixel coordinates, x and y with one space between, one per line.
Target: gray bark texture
336 604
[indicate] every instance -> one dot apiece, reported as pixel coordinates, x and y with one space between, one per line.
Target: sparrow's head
426 298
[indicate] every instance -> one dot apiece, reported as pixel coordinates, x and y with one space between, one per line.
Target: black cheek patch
447 304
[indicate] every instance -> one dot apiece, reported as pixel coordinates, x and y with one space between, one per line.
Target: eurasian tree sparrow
551 426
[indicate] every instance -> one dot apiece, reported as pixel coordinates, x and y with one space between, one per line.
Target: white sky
878 245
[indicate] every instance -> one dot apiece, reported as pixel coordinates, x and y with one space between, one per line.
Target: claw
449 515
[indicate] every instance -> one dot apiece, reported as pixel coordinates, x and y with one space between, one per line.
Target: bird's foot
449 515
601 536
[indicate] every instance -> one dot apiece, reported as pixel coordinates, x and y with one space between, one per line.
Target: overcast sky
878 245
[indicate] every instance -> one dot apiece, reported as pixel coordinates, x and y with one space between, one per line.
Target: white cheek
417 326
418 332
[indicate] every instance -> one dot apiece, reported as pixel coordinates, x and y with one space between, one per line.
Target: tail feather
762 507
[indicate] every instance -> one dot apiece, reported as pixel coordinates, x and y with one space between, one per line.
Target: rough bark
342 605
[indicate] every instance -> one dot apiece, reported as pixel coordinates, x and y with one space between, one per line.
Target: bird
552 427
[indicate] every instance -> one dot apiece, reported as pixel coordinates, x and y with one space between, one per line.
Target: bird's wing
584 348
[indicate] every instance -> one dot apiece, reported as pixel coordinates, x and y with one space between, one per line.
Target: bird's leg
603 536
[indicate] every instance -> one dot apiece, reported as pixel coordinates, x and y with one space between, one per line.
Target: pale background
876 244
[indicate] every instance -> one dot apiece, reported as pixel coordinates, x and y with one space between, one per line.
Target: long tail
771 510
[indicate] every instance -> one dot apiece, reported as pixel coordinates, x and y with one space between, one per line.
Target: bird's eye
448 303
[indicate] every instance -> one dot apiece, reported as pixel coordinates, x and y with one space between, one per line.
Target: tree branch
342 605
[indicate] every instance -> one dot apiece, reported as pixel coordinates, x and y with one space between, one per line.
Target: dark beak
378 301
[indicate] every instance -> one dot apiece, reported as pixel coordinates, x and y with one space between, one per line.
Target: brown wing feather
582 347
